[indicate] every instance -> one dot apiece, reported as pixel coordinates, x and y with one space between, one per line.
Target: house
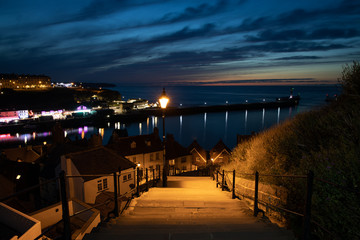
220 153
146 151
27 154
200 155
15 177
180 159
90 173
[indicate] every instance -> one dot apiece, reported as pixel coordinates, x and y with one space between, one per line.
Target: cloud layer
180 42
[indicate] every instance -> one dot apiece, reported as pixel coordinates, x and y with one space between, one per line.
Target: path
189 208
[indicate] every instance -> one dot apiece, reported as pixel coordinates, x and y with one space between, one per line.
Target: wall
49 216
124 185
29 227
269 194
91 188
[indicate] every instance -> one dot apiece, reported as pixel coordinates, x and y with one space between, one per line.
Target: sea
208 128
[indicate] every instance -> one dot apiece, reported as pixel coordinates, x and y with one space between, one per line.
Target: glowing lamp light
138 164
18 177
163 99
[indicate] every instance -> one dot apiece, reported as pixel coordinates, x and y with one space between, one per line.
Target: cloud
190 13
290 35
299 58
183 34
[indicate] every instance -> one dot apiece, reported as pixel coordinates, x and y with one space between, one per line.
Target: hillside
325 141
54 98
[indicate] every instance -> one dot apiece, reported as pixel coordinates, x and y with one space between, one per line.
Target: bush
326 141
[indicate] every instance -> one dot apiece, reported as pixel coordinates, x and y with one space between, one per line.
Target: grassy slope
325 141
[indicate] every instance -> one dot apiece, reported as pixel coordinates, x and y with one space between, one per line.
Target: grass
325 141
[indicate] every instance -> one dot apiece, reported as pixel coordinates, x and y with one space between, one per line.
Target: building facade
146 151
15 81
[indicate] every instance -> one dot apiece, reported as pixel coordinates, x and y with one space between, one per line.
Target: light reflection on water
206 128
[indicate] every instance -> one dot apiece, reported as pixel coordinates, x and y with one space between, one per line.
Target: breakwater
103 117
172 111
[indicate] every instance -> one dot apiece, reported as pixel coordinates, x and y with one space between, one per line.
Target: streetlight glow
163 99
163 103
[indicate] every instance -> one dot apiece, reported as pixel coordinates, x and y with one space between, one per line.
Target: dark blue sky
180 42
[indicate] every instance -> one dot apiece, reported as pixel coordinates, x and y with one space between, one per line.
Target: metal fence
226 180
142 182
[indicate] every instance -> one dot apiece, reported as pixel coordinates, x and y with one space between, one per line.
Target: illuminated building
15 81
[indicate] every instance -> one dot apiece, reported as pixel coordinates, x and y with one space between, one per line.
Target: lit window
133 145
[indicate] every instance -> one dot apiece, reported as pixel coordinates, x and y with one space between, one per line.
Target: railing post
147 180
159 170
138 182
116 205
217 178
233 189
153 177
307 214
256 209
223 180
119 182
65 207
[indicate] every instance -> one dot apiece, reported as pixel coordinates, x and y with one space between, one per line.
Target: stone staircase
189 208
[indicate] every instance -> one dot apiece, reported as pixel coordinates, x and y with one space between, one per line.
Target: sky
180 42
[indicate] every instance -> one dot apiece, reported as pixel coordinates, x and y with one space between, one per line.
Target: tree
350 79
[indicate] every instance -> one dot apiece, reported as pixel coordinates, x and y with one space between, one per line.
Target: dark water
209 128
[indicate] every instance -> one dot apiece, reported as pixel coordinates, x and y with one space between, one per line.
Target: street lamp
163 102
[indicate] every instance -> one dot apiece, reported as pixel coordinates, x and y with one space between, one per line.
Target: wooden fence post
223 180
256 209
307 214
233 189
116 205
65 207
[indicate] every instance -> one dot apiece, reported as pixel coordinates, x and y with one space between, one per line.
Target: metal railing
142 183
226 180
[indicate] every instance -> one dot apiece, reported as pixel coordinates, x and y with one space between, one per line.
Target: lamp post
163 102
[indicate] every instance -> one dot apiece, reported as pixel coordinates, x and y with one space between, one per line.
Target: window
124 178
151 157
157 156
105 183
100 185
148 143
133 144
172 162
129 176
183 159
184 168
